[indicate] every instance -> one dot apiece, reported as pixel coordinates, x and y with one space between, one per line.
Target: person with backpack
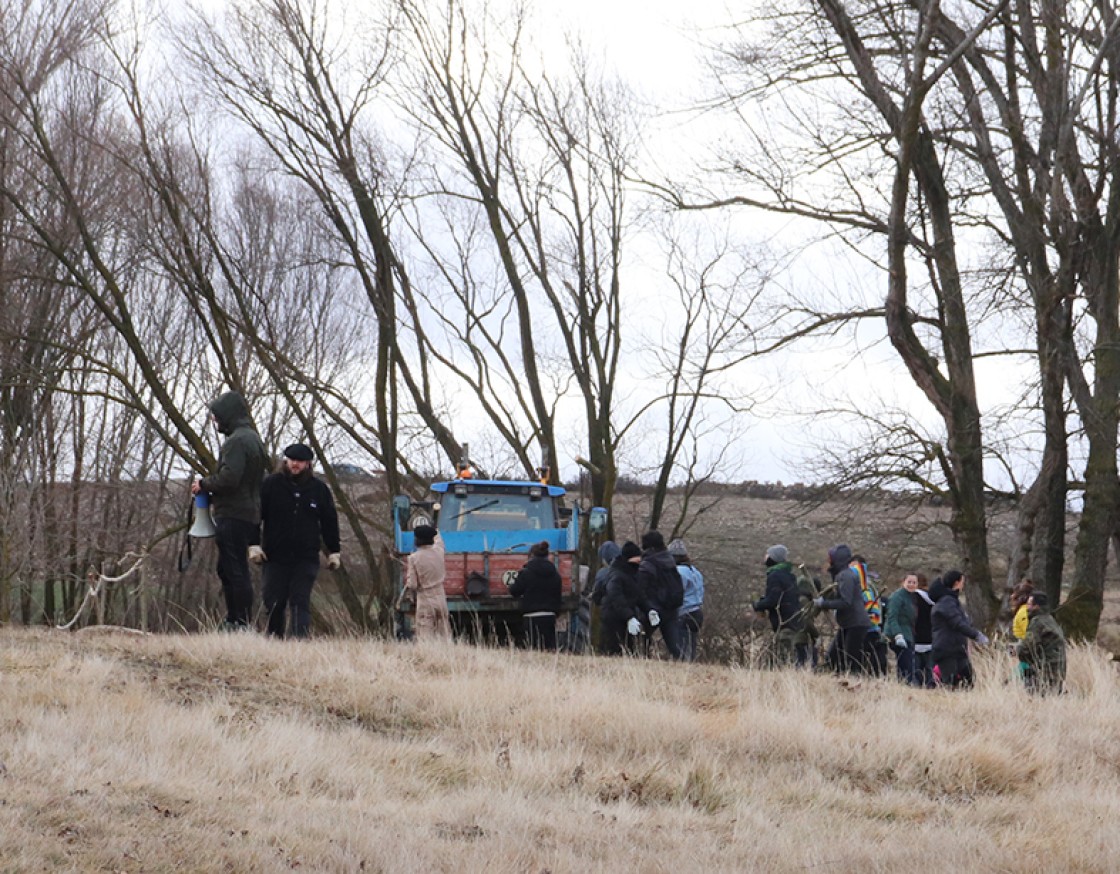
662 590
691 612
845 655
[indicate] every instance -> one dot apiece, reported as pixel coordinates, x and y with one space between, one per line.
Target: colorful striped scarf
871 601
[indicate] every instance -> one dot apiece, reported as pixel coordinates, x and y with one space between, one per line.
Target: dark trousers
952 671
670 632
614 639
540 632
904 662
289 584
923 669
232 538
875 650
845 655
690 625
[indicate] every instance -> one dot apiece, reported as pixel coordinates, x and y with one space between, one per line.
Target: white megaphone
203 525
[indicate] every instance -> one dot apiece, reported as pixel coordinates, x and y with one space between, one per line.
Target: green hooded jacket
235 488
1044 649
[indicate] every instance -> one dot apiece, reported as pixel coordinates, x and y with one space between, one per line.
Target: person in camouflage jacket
1043 650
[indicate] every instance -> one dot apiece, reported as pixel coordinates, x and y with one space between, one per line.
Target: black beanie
630 550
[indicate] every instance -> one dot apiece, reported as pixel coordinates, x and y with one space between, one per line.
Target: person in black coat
952 630
662 589
621 603
538 585
782 604
297 515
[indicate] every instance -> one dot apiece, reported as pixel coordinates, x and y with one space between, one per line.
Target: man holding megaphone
235 490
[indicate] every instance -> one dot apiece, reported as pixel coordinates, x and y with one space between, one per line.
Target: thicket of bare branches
389 227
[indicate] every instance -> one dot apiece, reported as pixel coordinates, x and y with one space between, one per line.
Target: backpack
673 590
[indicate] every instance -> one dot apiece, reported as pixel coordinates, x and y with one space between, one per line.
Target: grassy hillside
237 753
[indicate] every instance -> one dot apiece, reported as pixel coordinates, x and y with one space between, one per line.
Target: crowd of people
923 623
643 591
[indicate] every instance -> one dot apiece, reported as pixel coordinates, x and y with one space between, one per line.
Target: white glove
982 639
654 619
334 561
818 602
634 627
256 555
900 641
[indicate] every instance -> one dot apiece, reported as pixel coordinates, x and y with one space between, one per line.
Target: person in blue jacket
690 617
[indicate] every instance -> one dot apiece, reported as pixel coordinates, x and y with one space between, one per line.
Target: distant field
236 753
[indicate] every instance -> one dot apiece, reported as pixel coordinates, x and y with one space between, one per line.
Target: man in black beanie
297 514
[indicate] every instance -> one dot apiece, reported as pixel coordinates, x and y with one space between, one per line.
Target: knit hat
840 556
630 550
299 452
609 551
678 547
777 553
424 535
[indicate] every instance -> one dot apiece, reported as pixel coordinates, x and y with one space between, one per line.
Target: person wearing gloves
297 514
620 602
952 630
845 655
898 626
539 586
781 603
662 590
691 615
423 585
235 491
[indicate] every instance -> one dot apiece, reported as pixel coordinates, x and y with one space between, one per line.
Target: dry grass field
237 753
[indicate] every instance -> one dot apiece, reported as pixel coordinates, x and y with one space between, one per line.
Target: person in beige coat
424 585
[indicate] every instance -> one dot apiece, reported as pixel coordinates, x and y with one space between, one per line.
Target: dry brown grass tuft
238 753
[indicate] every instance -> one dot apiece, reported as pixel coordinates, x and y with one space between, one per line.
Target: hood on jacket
839 557
230 412
937 590
609 551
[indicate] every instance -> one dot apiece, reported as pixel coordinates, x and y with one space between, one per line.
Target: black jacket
951 627
620 597
235 487
781 600
923 623
538 585
661 584
296 513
